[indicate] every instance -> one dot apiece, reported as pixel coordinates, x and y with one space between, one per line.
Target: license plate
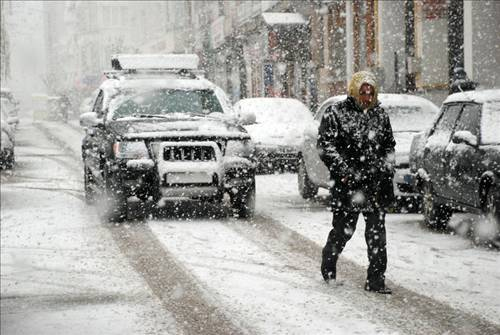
408 178
187 178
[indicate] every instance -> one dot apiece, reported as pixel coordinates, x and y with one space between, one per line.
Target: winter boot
381 289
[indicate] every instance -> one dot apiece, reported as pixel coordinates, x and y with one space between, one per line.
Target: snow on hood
184 128
280 121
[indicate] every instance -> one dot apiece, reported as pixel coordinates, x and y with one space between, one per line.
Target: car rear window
490 123
164 102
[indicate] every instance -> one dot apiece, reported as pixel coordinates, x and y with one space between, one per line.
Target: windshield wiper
151 116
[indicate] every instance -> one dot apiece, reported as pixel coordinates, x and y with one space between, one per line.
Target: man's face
366 95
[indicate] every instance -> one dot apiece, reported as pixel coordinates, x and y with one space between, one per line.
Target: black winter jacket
356 144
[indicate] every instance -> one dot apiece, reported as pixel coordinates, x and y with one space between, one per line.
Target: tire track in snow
179 293
411 312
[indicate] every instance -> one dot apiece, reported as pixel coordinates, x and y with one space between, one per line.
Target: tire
89 184
243 201
9 161
115 201
306 187
436 215
9 165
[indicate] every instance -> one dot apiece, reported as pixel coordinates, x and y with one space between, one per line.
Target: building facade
302 49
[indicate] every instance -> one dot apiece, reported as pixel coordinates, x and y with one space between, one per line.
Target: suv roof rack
191 74
121 62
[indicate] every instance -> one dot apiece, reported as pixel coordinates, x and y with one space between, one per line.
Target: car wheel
306 187
9 161
436 215
115 201
89 186
243 201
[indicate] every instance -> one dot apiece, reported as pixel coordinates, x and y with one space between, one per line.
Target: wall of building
486 43
391 39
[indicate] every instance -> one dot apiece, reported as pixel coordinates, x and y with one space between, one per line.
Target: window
166 101
490 123
321 111
469 119
444 127
447 120
98 105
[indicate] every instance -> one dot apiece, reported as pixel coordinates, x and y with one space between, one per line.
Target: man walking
356 143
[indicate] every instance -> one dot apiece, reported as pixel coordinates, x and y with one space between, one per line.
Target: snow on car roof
174 82
157 61
283 18
476 96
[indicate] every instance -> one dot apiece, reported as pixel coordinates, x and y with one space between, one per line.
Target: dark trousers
344 225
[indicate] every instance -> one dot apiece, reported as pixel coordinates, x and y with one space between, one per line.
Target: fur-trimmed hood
357 80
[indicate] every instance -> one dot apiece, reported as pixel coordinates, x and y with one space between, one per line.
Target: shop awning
283 19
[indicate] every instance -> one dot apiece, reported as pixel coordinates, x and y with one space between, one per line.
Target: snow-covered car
408 114
159 130
7 158
277 130
459 165
10 106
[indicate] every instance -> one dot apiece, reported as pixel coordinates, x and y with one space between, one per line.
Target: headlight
130 150
240 148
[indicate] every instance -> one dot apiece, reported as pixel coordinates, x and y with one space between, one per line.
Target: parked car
277 130
408 114
7 158
159 130
48 108
11 105
458 163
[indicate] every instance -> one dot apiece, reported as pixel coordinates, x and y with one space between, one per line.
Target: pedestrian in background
356 143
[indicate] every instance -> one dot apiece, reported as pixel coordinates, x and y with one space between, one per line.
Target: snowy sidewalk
60 271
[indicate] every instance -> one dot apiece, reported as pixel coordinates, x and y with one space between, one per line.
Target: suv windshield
164 102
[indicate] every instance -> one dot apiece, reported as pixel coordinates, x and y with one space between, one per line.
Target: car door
433 159
462 170
94 140
316 169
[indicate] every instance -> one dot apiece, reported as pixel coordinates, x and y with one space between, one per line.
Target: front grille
188 153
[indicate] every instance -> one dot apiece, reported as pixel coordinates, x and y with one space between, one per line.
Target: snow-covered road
63 271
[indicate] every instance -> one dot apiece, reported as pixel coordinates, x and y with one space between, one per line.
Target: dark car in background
457 161
159 130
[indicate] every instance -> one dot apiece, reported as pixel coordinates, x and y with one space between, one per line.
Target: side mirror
464 136
90 119
247 118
